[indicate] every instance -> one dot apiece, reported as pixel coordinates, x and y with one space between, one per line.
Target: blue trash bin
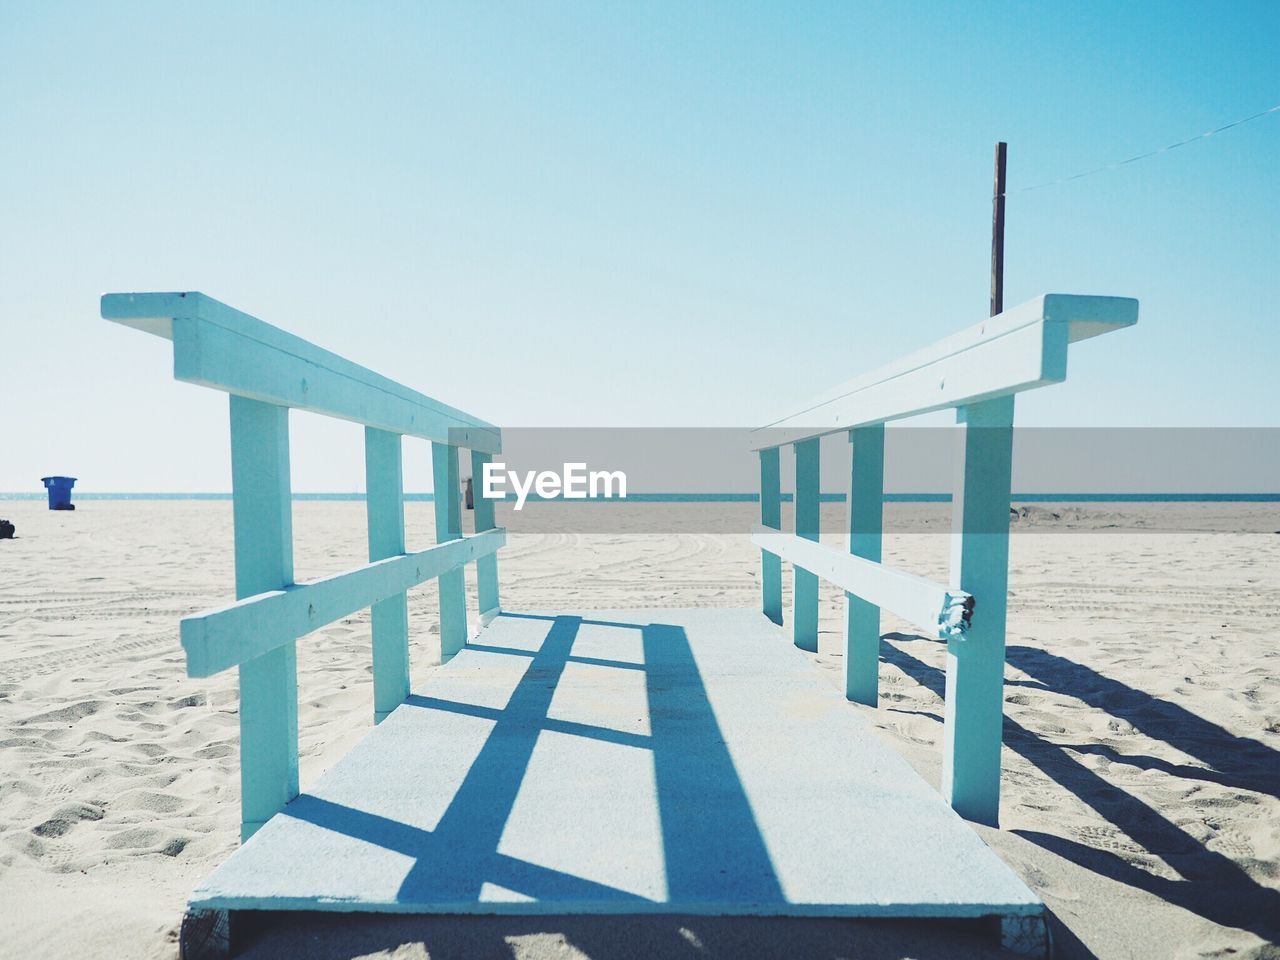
59 492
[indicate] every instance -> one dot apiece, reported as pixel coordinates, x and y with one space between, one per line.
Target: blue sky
599 214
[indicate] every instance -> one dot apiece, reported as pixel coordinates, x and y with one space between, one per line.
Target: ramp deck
618 762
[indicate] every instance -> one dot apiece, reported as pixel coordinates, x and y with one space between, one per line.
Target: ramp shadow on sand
1211 885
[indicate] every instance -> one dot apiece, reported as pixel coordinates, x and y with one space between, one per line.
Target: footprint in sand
66 817
77 711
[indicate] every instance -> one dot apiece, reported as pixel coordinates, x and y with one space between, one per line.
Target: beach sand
1142 738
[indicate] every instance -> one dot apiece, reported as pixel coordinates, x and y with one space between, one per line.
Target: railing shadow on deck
1212 886
708 829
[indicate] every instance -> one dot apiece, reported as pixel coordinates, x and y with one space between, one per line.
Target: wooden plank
771 516
219 639
217 346
804 592
453 584
384 486
939 610
974 712
1020 349
263 526
487 566
721 774
866 525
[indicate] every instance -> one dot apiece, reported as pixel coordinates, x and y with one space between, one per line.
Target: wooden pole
771 516
486 567
997 232
453 585
974 711
262 519
866 534
384 486
804 592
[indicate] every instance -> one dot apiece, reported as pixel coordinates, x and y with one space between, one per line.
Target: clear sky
632 214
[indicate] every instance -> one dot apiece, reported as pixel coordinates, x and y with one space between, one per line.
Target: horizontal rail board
944 612
217 346
1020 349
220 639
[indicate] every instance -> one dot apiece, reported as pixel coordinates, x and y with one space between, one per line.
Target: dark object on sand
470 496
59 492
6 530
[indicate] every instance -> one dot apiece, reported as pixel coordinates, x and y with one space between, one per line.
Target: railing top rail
220 347
1022 348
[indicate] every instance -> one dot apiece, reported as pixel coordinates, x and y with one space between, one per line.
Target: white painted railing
977 372
267 371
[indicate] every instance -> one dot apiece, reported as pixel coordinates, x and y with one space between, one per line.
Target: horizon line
693 497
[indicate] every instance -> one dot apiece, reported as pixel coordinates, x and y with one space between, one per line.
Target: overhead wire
1144 156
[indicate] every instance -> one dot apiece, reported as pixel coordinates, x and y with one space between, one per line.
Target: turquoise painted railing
267 371
977 372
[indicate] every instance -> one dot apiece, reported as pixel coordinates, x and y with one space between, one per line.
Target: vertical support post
263 525
453 584
384 486
771 516
487 566
974 712
997 231
866 525
804 594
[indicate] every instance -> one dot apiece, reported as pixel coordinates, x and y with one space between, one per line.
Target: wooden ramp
621 762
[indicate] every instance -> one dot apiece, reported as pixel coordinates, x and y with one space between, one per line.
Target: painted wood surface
267 371
217 346
384 486
978 372
935 608
771 516
1020 349
453 586
263 525
220 639
865 525
804 589
486 566
711 770
974 712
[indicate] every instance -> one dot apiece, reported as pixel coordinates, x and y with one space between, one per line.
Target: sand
1142 734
